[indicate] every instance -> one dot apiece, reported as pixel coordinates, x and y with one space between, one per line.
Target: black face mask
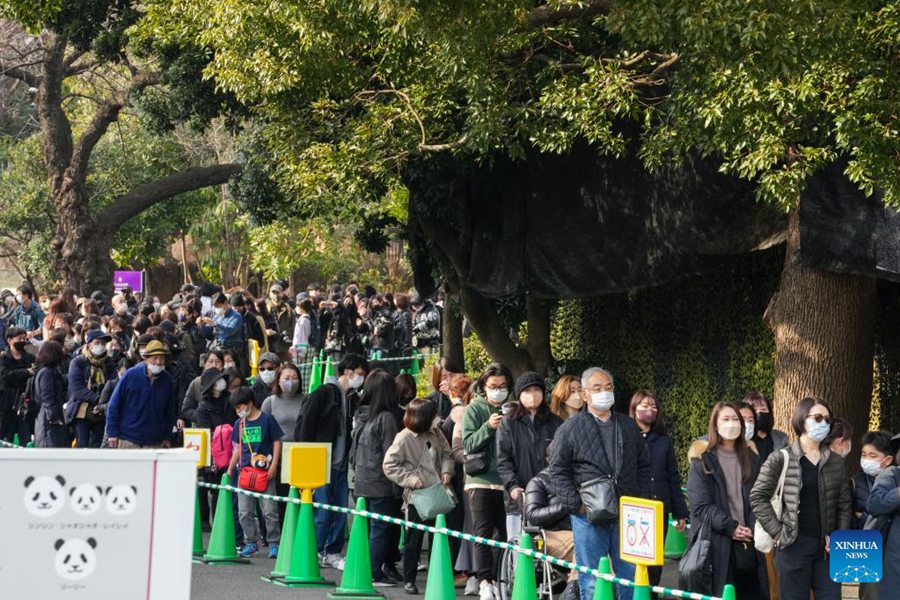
20 346
764 422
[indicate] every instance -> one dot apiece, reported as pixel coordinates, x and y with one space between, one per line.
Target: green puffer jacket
478 437
834 494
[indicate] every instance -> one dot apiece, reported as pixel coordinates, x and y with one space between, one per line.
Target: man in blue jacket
141 411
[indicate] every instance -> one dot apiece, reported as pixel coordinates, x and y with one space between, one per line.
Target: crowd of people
494 453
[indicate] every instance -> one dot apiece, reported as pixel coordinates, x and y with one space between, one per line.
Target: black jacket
708 499
208 412
862 486
665 480
13 375
522 449
578 458
320 416
372 440
542 507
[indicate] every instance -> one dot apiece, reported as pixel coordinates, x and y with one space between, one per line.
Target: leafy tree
82 58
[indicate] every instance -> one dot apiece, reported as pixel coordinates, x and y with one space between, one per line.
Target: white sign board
97 523
640 531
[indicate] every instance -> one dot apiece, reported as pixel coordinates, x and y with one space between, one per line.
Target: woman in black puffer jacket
816 501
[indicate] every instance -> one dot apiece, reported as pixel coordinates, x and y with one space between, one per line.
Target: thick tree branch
21 72
106 114
57 130
143 197
549 14
444 147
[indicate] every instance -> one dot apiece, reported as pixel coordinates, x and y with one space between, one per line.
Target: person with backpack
50 430
88 374
16 368
257 450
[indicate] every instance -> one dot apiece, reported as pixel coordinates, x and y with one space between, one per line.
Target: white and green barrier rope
379 360
470 538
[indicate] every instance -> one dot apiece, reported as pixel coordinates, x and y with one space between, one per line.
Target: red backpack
222 446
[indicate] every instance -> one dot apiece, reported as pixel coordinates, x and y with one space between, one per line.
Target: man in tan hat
142 409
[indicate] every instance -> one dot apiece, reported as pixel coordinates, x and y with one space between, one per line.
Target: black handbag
696 566
599 495
476 463
744 554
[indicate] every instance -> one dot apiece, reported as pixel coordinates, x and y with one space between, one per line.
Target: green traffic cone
198 534
329 369
356 582
414 368
440 571
315 377
304 563
524 583
29 445
16 439
221 540
641 583
283 562
403 372
728 592
676 543
603 589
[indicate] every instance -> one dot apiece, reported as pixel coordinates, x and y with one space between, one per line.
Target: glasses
819 418
269 369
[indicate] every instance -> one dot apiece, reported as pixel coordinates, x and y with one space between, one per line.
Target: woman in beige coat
419 458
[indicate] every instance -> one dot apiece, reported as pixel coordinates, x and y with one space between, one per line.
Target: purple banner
135 279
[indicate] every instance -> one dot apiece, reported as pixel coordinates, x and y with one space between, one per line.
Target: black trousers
803 567
412 547
489 521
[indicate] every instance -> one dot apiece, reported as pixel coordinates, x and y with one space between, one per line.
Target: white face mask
229 365
355 382
243 413
289 386
220 385
220 310
156 369
497 396
603 400
98 350
729 431
871 467
749 430
267 377
817 432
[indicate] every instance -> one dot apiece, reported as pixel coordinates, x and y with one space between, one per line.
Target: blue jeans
593 542
330 524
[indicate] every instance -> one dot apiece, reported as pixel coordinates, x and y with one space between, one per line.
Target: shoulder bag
252 478
599 495
761 538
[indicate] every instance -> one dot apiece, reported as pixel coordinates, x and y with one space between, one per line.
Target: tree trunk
451 331
538 344
823 324
80 248
491 332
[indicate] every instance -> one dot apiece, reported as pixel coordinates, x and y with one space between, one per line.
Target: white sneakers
471 587
486 591
335 561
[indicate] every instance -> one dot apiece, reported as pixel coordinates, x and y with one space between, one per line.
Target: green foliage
692 342
477 357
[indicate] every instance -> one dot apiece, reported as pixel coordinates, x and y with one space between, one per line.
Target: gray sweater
285 410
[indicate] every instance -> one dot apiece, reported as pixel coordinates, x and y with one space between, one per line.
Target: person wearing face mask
591 446
816 501
460 518
88 374
284 402
884 504
378 421
522 440
264 385
15 369
665 480
483 485
766 438
325 416
840 437
722 472
566 400
142 409
50 429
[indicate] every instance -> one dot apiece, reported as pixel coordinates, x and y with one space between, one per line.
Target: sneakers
390 572
471 587
411 589
384 583
273 550
335 561
422 567
249 550
496 591
485 591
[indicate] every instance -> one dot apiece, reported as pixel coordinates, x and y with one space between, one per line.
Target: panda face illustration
75 558
121 500
44 495
86 498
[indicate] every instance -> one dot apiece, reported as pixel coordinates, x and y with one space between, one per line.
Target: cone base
309 583
199 554
225 560
350 595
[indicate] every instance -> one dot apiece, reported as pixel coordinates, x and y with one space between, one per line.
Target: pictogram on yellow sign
641 531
